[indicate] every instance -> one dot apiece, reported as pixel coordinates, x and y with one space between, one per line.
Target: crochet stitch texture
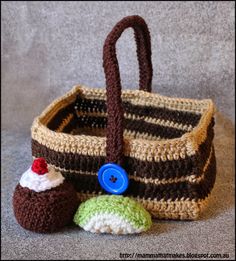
113 214
45 211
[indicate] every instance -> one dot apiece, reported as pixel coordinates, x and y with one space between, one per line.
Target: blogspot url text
175 255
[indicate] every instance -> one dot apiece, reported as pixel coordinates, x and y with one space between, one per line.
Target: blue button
113 178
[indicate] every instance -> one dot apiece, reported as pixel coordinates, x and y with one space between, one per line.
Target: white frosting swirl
39 183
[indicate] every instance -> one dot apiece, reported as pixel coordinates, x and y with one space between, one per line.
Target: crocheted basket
164 144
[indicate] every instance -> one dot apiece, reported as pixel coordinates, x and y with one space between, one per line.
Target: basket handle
114 146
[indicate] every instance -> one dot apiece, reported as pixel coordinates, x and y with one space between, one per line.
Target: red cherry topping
39 166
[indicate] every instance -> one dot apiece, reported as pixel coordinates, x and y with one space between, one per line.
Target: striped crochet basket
164 144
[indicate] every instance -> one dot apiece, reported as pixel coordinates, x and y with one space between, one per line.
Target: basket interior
88 116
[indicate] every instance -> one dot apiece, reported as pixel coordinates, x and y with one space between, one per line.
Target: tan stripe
161 122
64 123
128 134
130 116
177 209
192 179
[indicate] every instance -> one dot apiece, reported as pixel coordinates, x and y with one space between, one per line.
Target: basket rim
191 139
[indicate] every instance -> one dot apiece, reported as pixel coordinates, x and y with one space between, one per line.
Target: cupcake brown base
45 211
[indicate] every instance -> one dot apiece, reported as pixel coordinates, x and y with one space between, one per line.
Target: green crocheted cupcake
112 214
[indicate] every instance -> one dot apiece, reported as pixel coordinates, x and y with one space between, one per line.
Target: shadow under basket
164 144
168 149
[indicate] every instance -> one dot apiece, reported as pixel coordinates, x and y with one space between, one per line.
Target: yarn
44 202
113 214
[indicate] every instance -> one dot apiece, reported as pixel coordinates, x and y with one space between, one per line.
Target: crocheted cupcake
113 214
43 201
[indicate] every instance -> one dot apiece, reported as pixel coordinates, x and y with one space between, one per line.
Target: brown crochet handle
114 149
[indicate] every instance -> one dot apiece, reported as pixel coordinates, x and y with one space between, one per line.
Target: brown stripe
156 130
164 169
184 117
174 191
139 126
205 147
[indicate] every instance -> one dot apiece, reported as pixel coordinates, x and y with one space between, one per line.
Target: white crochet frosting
39 183
110 223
